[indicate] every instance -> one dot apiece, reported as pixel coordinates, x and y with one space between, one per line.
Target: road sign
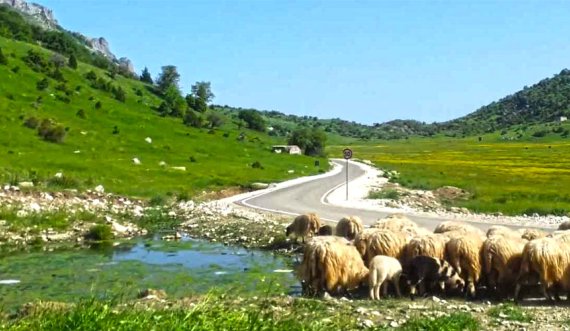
347 153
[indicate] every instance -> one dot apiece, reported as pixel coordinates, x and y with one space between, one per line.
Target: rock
58 175
39 14
102 46
76 152
394 324
367 323
99 189
119 229
126 65
136 161
291 171
178 168
148 140
26 184
162 164
259 186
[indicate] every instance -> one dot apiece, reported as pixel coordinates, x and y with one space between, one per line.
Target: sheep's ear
444 270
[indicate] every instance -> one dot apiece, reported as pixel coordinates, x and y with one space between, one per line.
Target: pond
183 268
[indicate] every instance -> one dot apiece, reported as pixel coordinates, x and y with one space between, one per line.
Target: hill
55 119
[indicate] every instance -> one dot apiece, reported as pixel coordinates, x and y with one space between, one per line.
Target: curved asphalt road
310 196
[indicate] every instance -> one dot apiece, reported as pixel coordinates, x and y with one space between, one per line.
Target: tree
215 120
253 119
72 61
192 118
145 76
310 140
57 60
175 102
120 94
203 91
3 59
167 78
42 84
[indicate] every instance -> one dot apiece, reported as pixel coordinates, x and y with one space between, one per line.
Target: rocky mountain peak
40 14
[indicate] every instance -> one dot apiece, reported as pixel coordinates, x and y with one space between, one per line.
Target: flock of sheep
455 258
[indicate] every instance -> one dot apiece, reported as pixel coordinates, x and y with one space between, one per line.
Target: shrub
63 182
98 105
539 134
115 130
157 200
510 312
42 84
91 75
193 159
3 59
81 114
119 94
389 194
194 119
32 122
256 165
16 69
253 119
51 132
57 75
99 232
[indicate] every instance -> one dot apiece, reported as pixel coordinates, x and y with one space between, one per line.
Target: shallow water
181 268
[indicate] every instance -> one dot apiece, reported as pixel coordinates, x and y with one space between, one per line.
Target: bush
256 165
32 122
63 182
98 105
99 232
194 119
389 194
3 59
81 114
540 134
253 119
42 84
51 132
311 140
91 75
119 94
16 69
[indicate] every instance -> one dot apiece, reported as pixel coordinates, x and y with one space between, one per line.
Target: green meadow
101 142
512 177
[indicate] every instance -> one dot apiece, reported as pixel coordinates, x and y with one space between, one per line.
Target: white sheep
383 269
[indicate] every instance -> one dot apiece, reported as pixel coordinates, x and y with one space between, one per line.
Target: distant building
563 118
291 149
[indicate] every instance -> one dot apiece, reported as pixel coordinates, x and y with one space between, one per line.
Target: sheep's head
289 230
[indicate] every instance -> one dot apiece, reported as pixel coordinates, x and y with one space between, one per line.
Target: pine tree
73 61
3 59
145 76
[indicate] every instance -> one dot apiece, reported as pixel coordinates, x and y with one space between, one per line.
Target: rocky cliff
44 17
40 14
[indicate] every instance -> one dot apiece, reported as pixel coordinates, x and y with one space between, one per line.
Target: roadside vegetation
510 177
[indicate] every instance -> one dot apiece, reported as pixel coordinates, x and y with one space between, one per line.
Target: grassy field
94 152
512 177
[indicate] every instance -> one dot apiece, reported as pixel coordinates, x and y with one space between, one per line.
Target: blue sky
367 61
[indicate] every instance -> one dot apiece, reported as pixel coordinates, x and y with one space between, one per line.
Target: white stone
178 168
26 184
291 171
58 175
136 161
76 152
162 164
148 140
99 189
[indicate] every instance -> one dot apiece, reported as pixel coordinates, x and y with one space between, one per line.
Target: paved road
309 197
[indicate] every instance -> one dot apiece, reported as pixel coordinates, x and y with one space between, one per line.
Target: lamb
432 245
452 226
380 242
331 264
464 254
546 259
424 270
304 226
501 257
383 269
349 227
325 230
395 222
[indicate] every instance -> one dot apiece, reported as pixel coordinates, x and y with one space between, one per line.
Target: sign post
347 154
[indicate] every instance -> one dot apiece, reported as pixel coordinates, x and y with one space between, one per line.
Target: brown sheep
432 245
372 242
464 254
459 227
325 230
501 261
304 226
532 233
349 227
546 259
331 264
